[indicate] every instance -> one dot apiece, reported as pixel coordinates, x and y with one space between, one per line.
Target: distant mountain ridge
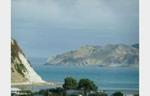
109 55
21 69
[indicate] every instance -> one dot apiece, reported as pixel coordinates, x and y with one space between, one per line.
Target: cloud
73 23
75 14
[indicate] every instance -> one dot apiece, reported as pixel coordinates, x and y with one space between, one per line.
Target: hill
21 69
109 55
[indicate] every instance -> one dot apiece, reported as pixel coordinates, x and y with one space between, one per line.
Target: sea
106 78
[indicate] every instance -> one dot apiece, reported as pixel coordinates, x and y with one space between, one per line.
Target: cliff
21 69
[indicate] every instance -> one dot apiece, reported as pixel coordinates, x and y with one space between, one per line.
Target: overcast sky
47 27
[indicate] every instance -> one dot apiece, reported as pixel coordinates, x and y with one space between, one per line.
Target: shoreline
35 86
32 83
55 85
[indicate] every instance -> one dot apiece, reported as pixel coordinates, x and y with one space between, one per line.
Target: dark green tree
70 83
136 95
117 94
98 94
43 92
87 85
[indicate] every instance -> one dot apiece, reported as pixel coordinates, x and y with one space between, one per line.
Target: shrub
70 83
117 94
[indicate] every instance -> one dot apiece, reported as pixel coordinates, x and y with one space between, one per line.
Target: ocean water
105 78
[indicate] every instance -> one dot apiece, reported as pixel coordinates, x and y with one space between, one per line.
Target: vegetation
70 83
14 50
87 85
20 68
117 94
57 92
98 94
52 92
84 87
135 45
136 95
43 92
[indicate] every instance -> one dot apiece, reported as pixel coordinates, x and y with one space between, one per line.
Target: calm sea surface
105 78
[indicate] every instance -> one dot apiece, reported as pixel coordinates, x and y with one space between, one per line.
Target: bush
117 94
57 91
70 83
98 94
43 92
136 95
87 84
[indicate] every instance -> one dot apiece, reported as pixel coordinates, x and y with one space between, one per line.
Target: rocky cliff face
109 55
21 70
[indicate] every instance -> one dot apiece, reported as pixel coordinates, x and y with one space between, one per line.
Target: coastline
33 83
35 86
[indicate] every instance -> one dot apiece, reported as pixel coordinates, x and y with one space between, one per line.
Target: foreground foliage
71 87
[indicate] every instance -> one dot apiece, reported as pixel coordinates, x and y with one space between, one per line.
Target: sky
45 28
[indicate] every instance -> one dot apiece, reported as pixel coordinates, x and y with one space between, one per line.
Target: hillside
21 70
109 55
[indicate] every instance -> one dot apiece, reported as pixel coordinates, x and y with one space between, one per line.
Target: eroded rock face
109 55
21 70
